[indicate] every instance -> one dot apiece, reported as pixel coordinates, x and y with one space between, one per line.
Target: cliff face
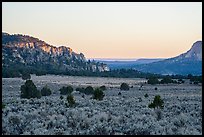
29 51
195 53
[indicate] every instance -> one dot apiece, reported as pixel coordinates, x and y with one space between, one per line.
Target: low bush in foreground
103 87
29 90
89 90
124 86
66 90
70 100
157 103
98 94
80 89
3 105
45 91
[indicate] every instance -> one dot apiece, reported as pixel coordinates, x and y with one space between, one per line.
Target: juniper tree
29 90
98 94
124 86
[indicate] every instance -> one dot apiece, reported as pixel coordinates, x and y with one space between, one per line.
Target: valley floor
127 113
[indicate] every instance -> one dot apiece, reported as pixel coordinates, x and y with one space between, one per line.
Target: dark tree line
19 70
169 79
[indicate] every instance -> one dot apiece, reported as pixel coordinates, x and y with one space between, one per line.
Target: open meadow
125 114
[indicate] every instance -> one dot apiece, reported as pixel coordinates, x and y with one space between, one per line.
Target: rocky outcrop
30 51
195 52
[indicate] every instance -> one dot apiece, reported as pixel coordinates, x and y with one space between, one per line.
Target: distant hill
147 61
25 53
189 62
125 63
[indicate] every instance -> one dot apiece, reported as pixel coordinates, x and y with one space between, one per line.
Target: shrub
155 88
103 87
98 94
153 80
29 90
124 86
66 90
70 89
89 90
146 95
197 79
119 93
78 89
157 103
45 91
167 80
70 99
82 90
151 105
63 91
26 76
3 105
61 97
180 80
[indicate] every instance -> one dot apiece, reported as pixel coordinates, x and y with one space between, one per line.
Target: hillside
189 62
26 53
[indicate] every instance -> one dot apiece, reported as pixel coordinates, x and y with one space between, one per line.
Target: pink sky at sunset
109 30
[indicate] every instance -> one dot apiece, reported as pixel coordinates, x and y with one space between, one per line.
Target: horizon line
122 59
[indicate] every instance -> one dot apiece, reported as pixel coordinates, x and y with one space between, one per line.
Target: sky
109 29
